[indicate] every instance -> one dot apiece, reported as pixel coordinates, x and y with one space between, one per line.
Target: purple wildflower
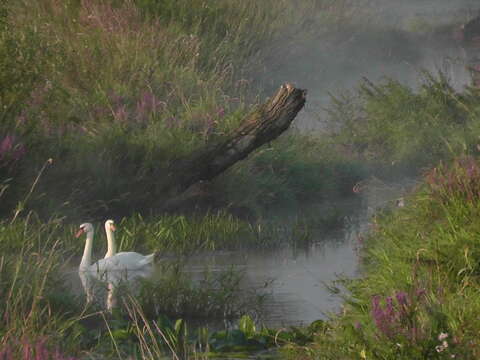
121 113
382 318
6 145
420 292
148 103
170 122
6 353
395 317
41 351
402 298
11 150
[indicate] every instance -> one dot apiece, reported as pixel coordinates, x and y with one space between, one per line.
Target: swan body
123 260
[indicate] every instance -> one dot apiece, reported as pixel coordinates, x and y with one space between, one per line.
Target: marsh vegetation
100 98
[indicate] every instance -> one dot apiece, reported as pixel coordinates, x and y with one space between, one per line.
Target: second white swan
128 260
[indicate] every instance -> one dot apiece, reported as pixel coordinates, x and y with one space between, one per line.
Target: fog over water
395 39
390 39
380 38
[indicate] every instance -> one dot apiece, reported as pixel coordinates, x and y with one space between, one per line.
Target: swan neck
87 252
111 246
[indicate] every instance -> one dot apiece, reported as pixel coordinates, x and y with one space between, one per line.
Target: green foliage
212 296
36 306
293 170
400 128
117 91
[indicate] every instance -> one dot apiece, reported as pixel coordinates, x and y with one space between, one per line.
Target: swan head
110 225
85 228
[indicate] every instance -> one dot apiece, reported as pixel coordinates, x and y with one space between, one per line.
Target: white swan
111 246
118 262
129 260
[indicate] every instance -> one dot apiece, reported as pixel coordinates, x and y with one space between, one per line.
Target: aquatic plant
212 296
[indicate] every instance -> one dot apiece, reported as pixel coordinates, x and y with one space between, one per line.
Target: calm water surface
298 295
296 276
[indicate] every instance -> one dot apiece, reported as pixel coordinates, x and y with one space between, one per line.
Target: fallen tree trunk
261 126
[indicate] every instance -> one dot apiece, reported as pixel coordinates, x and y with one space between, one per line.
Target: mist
377 39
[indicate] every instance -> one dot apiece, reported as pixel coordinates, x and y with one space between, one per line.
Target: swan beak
79 233
112 227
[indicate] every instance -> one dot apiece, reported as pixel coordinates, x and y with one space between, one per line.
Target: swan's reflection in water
106 285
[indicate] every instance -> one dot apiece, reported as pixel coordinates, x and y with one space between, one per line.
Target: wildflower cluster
462 179
398 316
444 344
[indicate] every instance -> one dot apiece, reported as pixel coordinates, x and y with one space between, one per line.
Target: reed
36 312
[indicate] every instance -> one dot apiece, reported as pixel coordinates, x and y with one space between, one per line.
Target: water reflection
301 276
106 285
296 277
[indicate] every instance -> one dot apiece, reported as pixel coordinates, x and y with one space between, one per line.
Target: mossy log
262 125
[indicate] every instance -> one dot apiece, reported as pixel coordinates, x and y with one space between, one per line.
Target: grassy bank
418 297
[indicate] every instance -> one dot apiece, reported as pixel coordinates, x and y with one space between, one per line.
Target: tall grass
406 129
36 312
182 235
115 91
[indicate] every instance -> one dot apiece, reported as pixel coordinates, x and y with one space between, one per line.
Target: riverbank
418 296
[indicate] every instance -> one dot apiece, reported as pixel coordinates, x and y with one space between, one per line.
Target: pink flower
442 336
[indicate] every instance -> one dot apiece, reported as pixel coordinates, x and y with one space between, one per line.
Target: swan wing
123 261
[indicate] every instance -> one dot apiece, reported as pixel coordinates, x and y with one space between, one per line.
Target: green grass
402 129
35 305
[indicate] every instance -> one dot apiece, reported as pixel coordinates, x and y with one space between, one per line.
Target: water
297 277
298 294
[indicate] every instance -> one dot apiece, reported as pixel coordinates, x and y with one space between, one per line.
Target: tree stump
262 125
